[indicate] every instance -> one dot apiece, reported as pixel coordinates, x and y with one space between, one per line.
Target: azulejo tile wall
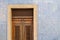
48 18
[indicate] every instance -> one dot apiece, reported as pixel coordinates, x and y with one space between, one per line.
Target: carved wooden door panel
28 29
22 29
16 29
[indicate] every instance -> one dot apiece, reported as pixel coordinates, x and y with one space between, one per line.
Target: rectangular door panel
28 29
22 29
17 32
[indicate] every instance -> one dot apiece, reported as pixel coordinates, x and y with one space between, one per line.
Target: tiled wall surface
48 18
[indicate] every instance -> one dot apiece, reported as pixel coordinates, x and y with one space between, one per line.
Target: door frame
9 29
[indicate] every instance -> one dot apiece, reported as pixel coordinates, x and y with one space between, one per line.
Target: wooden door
22 28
